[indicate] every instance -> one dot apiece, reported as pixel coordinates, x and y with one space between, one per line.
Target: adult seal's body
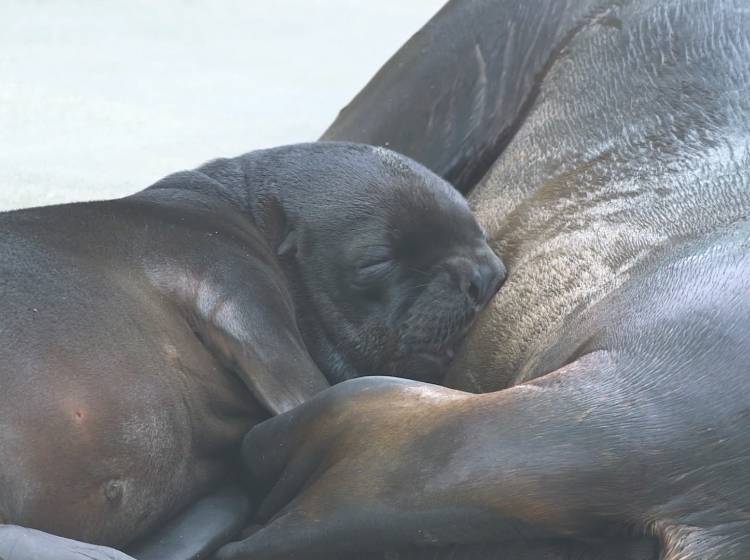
621 339
140 338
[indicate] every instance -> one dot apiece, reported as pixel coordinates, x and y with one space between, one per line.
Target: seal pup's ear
277 227
289 244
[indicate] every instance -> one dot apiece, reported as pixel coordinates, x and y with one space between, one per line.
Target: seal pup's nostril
475 287
487 279
479 280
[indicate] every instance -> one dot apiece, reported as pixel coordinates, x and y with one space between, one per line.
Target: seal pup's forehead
409 169
422 203
324 187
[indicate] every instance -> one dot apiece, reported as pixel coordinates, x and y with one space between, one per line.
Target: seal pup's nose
479 276
487 276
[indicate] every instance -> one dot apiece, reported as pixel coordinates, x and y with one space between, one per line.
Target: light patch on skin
218 309
433 393
479 93
211 304
524 388
170 280
390 159
683 542
171 353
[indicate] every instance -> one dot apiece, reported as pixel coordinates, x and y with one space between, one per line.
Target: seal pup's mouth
433 328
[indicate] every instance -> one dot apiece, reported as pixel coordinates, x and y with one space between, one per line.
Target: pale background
99 98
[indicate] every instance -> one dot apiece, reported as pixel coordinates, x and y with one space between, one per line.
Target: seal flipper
240 308
199 530
252 330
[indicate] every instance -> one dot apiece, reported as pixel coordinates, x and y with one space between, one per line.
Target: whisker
422 272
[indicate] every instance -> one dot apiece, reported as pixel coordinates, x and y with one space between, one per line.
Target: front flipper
379 463
242 311
20 543
198 531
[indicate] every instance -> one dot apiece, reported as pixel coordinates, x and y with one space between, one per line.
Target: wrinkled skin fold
613 146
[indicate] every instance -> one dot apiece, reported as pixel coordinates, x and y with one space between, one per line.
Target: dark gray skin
619 348
455 94
141 338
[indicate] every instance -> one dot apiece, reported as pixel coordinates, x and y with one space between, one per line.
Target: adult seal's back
141 338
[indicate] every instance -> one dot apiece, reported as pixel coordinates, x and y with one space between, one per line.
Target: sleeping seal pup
141 338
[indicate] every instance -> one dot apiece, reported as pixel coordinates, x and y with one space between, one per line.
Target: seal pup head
388 265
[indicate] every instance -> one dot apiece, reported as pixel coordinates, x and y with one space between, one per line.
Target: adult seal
141 338
619 348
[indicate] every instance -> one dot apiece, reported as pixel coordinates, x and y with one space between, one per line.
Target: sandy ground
100 98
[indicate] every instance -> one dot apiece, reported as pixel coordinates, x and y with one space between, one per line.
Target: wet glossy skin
620 206
141 338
